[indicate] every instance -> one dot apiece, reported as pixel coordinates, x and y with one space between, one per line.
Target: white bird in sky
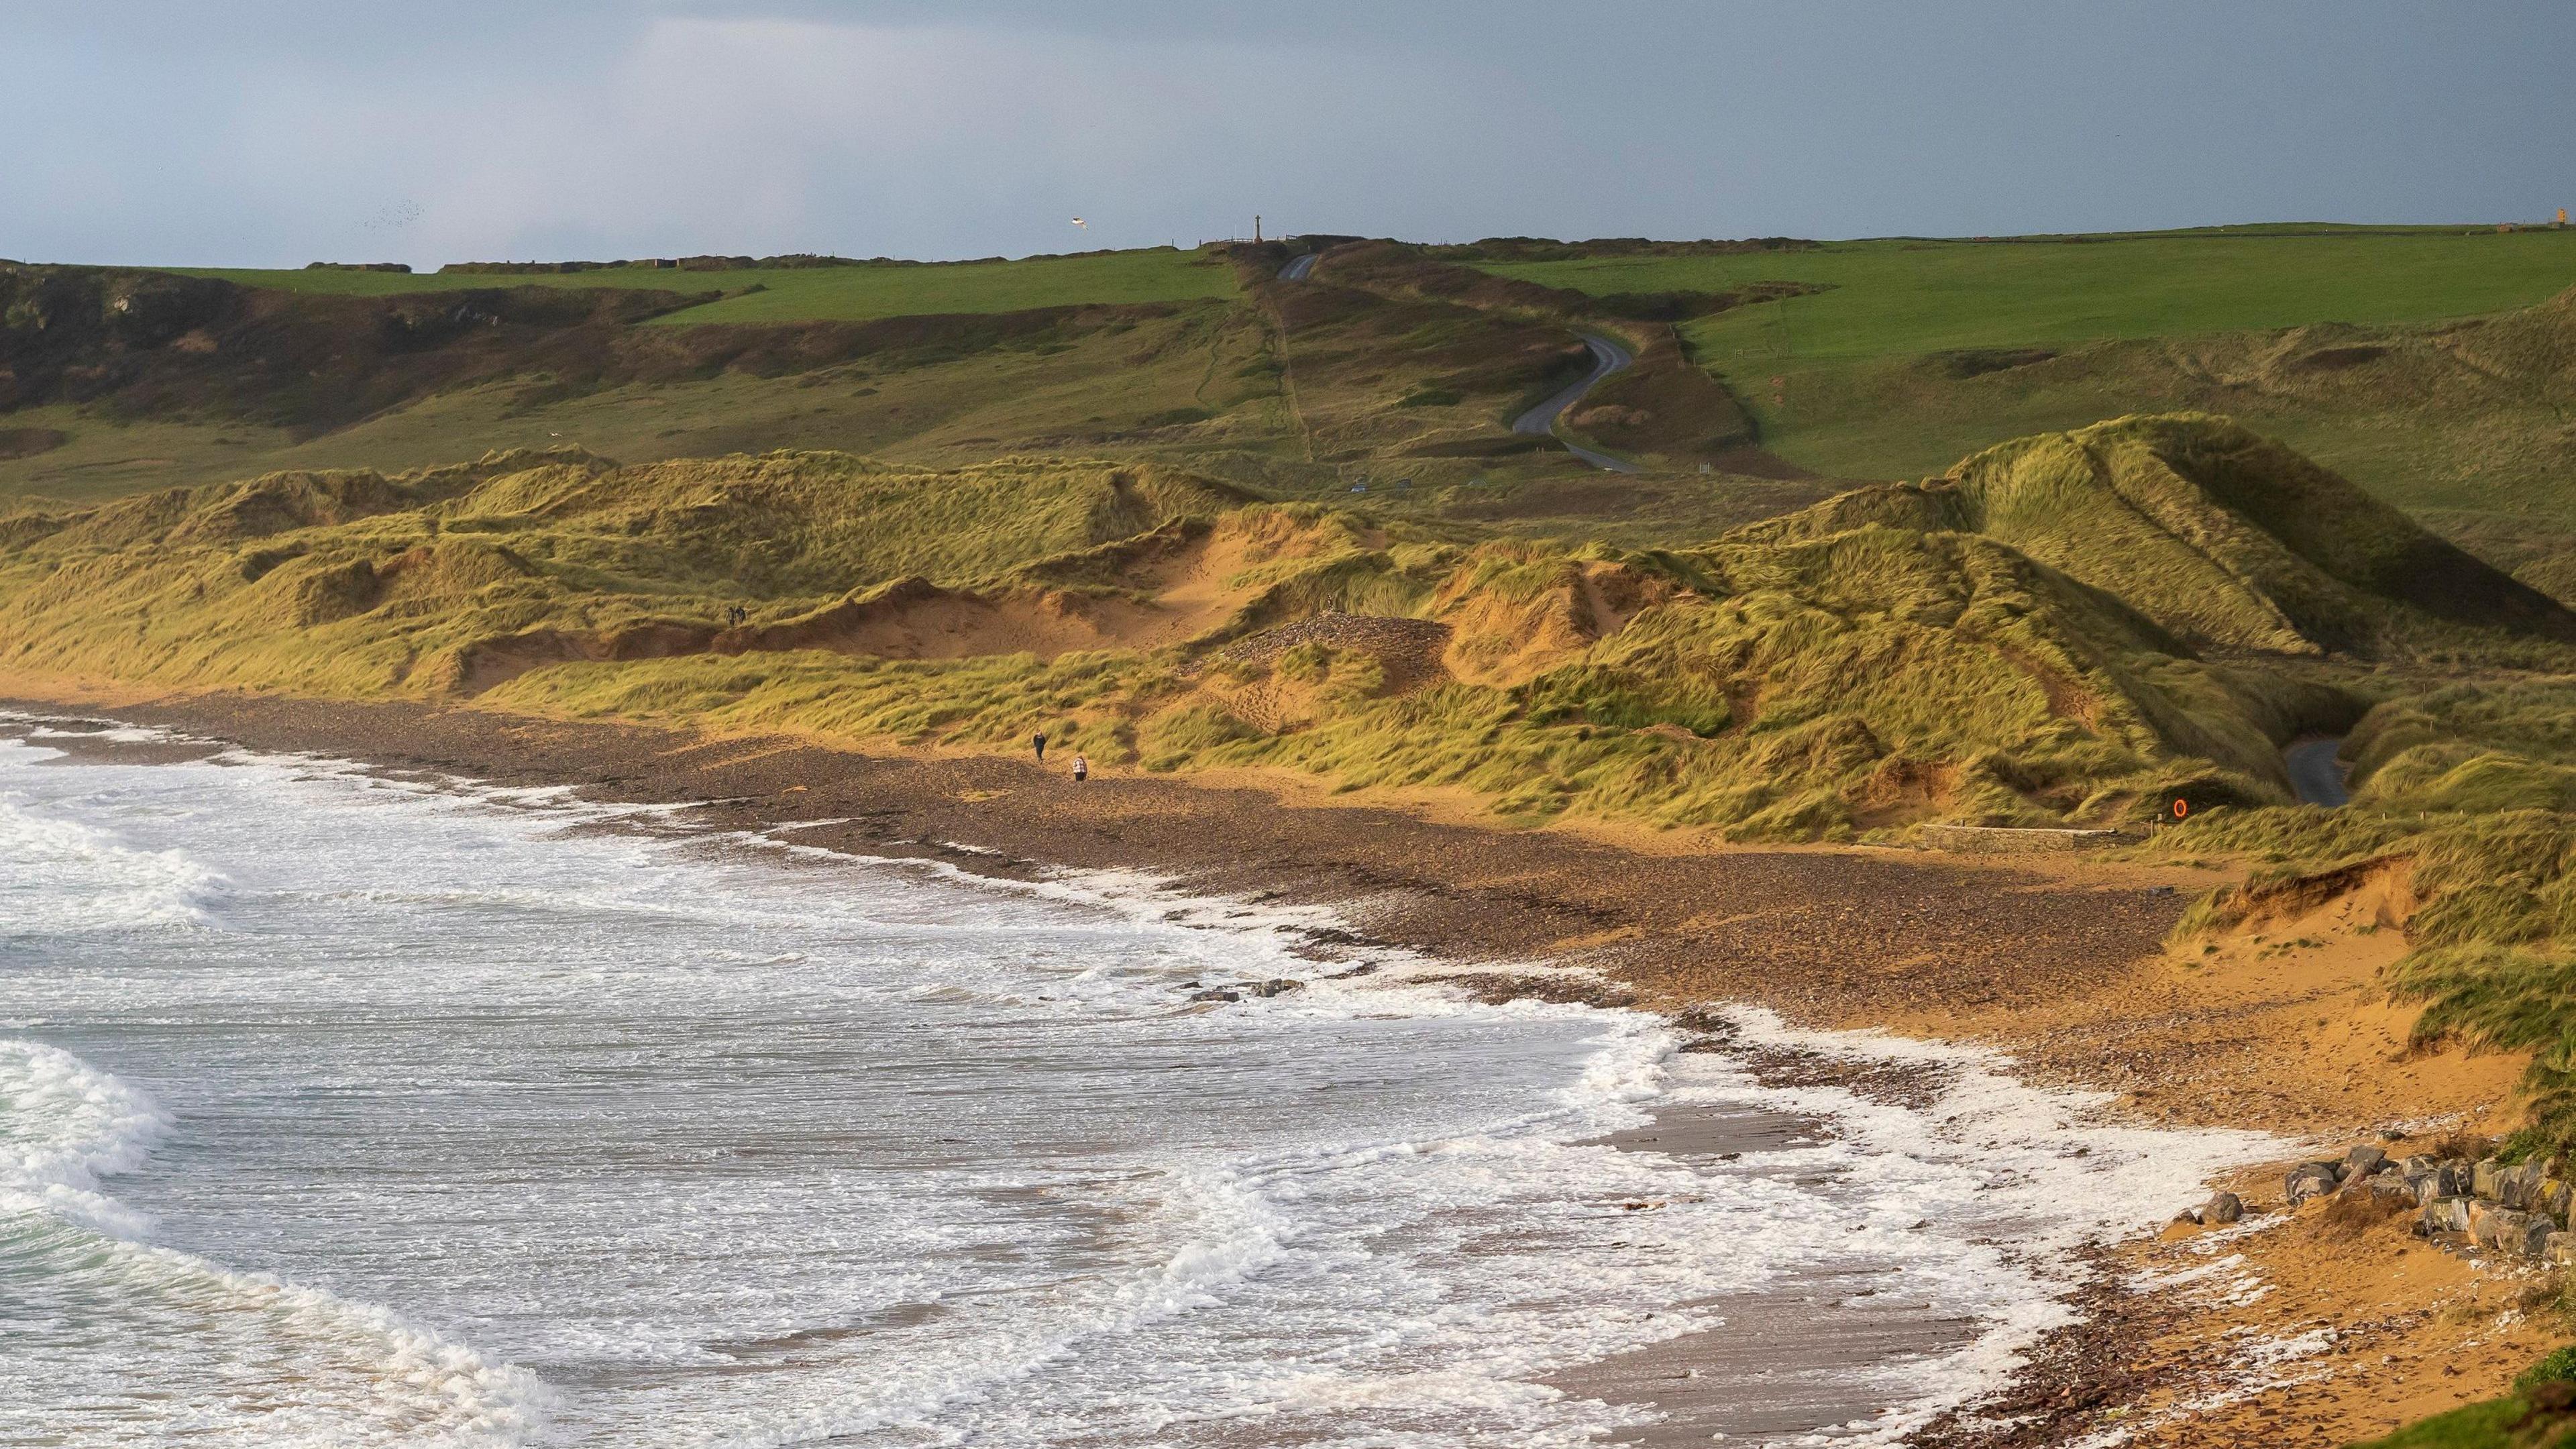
1078 221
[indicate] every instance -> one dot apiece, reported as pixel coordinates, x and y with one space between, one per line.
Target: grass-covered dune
2227 539
1943 652
2071 628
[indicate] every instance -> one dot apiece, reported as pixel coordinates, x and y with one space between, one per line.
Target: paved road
1607 357
2313 771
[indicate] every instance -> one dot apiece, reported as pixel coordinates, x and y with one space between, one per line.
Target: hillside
2427 364
120 379
1287 526
1957 649
1769 374
2223 537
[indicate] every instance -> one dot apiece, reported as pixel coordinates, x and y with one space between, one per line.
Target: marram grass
2072 628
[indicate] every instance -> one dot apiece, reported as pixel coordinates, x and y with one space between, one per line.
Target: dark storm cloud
276 131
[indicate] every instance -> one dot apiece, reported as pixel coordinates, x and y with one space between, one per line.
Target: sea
348 1108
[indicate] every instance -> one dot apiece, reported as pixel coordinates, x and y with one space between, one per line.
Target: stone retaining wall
2518 1209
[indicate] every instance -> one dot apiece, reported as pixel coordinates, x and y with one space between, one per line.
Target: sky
277 132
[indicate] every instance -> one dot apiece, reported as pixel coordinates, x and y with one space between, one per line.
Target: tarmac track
2314 772
1607 357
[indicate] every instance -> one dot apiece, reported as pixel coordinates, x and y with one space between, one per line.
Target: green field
827 294
1907 298
1921 351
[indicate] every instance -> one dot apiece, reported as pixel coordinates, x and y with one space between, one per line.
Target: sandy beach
2061 962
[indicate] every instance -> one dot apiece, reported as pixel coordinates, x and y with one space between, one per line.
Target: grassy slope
1959 650
1824 677
1198 380
829 294
1126 391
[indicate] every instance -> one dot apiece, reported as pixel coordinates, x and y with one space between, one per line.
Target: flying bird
1078 221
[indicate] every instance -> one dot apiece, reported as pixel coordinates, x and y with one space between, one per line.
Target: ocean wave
65 1128
1451 1270
65 876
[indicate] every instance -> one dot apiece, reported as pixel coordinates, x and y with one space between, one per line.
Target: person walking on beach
1039 740
1081 768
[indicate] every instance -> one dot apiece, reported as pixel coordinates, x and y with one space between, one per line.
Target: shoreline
1959 950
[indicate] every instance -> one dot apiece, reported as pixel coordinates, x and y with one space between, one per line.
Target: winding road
2314 773
1607 357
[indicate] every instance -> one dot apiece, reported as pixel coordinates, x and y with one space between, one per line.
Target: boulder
2487 1225
2560 1248
1216 993
2510 1231
2386 1191
2446 1215
2419 1165
2225 1207
2515 1185
2482 1178
1278 987
2310 1179
2527 1236
2363 1161
2455 1177
2554 1199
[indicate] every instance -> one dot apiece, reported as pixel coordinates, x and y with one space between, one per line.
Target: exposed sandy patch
2285 1331
2283 1025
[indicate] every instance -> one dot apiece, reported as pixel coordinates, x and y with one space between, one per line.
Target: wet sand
1786 1362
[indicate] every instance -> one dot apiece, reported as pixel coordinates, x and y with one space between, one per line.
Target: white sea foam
743 1141
66 875
2035 1173
65 1128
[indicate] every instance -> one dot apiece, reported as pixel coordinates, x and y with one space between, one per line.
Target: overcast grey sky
275 132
